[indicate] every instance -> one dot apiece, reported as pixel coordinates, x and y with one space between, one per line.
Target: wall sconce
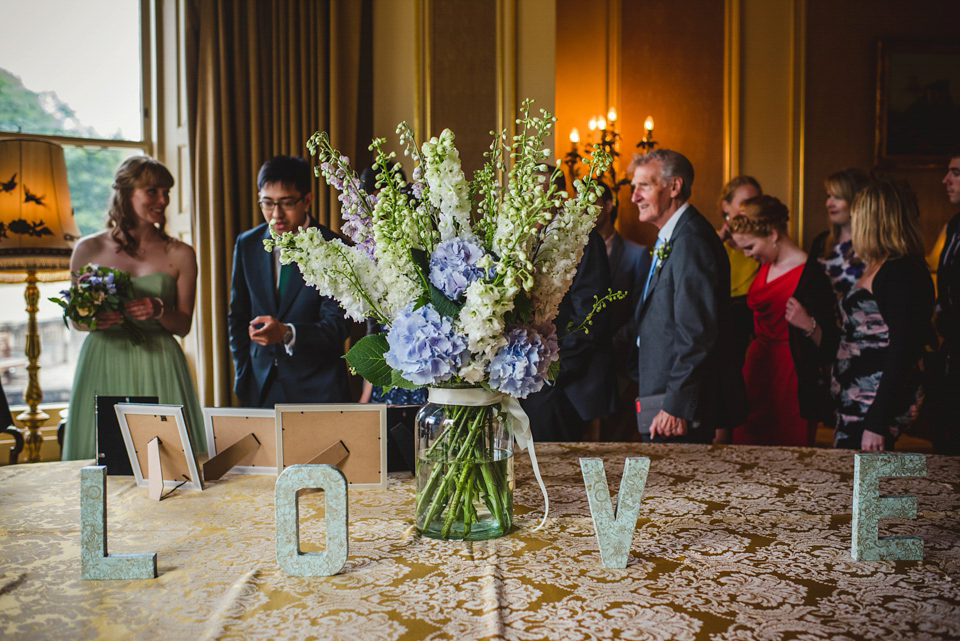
647 143
37 234
603 135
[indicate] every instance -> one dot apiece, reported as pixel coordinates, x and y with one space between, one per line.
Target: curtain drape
263 75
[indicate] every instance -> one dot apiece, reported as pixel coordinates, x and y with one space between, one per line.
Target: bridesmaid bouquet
97 290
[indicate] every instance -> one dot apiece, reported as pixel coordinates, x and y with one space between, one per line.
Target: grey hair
673 164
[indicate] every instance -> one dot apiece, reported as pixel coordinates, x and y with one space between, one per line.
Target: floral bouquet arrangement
466 278
97 290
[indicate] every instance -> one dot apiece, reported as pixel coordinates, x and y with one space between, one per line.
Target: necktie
284 279
653 268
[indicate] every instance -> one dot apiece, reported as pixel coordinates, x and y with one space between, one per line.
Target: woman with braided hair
786 389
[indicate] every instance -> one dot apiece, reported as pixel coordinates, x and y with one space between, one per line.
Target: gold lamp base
32 441
33 418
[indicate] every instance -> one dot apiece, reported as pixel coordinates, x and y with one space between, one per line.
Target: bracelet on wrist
813 328
163 308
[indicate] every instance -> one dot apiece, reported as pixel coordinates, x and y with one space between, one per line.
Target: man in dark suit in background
947 433
683 319
629 264
287 340
584 389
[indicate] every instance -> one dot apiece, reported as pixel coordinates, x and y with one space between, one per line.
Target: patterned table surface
732 543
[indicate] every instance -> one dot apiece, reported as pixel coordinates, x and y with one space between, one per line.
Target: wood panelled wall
463 75
841 86
671 68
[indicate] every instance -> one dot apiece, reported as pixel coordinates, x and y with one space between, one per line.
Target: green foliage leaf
366 359
432 295
522 309
397 380
422 300
553 371
444 305
422 263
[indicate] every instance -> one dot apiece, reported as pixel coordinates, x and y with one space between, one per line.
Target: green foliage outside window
89 170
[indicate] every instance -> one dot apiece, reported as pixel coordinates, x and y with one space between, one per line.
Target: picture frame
918 103
111 450
305 432
225 426
139 424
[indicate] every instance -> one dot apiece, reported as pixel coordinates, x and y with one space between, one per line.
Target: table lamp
37 234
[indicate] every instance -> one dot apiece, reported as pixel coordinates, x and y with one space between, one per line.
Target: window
71 72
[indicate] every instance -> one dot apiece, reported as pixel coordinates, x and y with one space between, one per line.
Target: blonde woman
886 321
786 393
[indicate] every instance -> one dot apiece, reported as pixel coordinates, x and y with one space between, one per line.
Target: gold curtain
263 75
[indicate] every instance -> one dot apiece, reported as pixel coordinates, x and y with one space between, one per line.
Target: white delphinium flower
481 320
561 250
344 273
448 189
395 231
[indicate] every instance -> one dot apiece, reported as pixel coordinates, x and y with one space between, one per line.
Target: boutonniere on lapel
662 253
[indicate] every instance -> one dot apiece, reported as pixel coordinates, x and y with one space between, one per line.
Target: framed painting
918 103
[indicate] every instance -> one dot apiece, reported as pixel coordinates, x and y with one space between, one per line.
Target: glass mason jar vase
464 467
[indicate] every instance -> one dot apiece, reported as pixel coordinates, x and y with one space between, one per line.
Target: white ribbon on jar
479 397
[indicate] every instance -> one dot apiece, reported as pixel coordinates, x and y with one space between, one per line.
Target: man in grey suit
683 316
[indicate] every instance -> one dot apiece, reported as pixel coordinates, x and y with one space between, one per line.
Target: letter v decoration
614 528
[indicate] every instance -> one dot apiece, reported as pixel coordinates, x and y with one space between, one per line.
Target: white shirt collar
666 232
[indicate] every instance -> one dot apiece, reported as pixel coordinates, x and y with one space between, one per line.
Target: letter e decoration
869 507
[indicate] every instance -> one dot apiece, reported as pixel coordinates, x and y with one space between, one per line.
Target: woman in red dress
786 389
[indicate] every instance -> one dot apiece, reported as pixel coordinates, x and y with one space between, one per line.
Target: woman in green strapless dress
163 278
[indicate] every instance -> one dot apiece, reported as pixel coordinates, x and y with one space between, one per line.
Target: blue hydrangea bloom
520 367
453 266
424 347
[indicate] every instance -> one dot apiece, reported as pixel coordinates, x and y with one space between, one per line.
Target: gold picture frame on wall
918 103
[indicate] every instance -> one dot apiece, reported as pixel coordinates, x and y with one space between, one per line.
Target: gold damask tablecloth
732 543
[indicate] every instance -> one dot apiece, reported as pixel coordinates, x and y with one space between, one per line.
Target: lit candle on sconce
612 115
574 137
601 123
593 124
647 143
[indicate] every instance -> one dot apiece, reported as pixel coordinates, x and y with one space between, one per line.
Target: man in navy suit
629 264
683 318
584 389
287 340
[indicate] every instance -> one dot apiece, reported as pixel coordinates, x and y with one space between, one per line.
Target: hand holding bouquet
98 291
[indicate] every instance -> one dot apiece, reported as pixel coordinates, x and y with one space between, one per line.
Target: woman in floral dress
833 249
